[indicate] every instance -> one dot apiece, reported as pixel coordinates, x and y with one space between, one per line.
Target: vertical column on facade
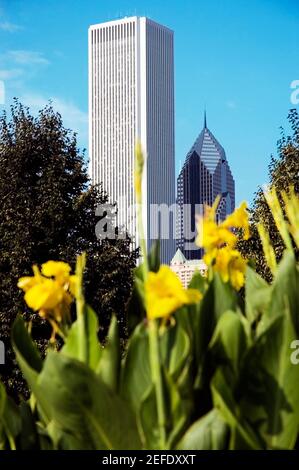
91 70
118 156
97 103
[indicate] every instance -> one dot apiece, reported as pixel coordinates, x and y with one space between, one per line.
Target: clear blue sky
236 57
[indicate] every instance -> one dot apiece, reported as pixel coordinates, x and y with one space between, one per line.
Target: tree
283 172
47 211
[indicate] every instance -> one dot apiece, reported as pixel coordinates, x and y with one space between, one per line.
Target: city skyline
222 61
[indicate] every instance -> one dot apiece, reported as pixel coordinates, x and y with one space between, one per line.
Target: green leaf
148 420
29 435
10 420
108 368
198 282
175 349
285 290
218 298
176 415
224 400
177 410
84 410
135 308
71 347
136 379
30 363
25 345
209 432
229 342
257 295
270 384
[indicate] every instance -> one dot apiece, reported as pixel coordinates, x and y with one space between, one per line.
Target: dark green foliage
47 212
283 172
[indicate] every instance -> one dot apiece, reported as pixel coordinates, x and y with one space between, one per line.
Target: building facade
185 269
205 175
131 96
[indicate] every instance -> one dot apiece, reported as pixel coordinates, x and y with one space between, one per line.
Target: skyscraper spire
206 172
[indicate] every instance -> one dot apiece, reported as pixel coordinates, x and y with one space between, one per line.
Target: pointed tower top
205 120
178 258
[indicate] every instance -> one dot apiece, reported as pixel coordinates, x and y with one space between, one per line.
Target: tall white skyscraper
131 95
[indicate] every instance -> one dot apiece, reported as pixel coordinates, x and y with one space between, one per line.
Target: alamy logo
295 354
2 353
295 93
166 222
2 92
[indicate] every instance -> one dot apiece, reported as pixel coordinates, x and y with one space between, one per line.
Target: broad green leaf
176 415
209 432
177 410
187 318
10 420
2 408
198 282
25 345
257 295
84 409
135 308
71 347
136 379
30 364
225 297
62 440
286 290
108 368
270 384
175 349
224 400
28 436
218 298
229 342
148 421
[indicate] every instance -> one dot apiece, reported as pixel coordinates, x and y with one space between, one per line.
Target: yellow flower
221 263
57 269
50 292
165 293
212 236
231 266
45 295
238 219
219 242
237 270
25 283
73 284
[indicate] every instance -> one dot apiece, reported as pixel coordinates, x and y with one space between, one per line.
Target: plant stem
11 441
154 353
157 380
80 304
142 242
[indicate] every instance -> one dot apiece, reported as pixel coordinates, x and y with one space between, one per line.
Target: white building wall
131 94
